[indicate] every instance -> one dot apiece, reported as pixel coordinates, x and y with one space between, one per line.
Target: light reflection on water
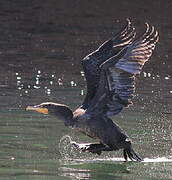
38 82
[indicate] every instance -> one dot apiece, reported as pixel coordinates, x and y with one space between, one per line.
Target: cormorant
110 73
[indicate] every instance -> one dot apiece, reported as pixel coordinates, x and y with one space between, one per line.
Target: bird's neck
66 115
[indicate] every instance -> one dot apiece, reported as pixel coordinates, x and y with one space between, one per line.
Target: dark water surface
41 45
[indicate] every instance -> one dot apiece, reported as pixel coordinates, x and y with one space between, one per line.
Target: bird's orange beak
37 109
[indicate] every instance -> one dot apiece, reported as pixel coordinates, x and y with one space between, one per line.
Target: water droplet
149 74
60 82
167 77
26 91
17 74
36 87
39 71
18 83
51 82
52 75
12 158
18 78
82 92
72 83
144 74
82 73
48 91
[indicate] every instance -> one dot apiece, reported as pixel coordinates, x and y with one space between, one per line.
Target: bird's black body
110 74
101 128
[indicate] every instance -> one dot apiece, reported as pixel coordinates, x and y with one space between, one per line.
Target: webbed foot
129 153
93 148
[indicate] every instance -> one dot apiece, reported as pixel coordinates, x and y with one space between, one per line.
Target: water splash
71 150
71 153
66 149
158 160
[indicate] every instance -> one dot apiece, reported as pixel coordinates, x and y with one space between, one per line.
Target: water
30 142
41 47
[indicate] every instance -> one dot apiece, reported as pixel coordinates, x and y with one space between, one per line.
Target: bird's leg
129 153
93 148
97 148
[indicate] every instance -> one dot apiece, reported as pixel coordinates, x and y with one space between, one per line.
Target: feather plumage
120 71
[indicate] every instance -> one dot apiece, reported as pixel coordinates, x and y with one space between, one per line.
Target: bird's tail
131 154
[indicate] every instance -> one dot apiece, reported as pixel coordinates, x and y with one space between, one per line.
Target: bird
110 72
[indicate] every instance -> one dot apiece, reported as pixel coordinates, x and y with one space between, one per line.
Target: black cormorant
110 74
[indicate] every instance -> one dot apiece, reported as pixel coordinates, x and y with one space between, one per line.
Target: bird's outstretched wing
117 80
108 49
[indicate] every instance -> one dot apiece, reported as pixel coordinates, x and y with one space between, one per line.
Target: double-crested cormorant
110 74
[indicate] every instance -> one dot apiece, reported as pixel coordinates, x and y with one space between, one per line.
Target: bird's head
61 111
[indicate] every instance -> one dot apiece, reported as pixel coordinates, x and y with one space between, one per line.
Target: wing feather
118 81
91 63
139 52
